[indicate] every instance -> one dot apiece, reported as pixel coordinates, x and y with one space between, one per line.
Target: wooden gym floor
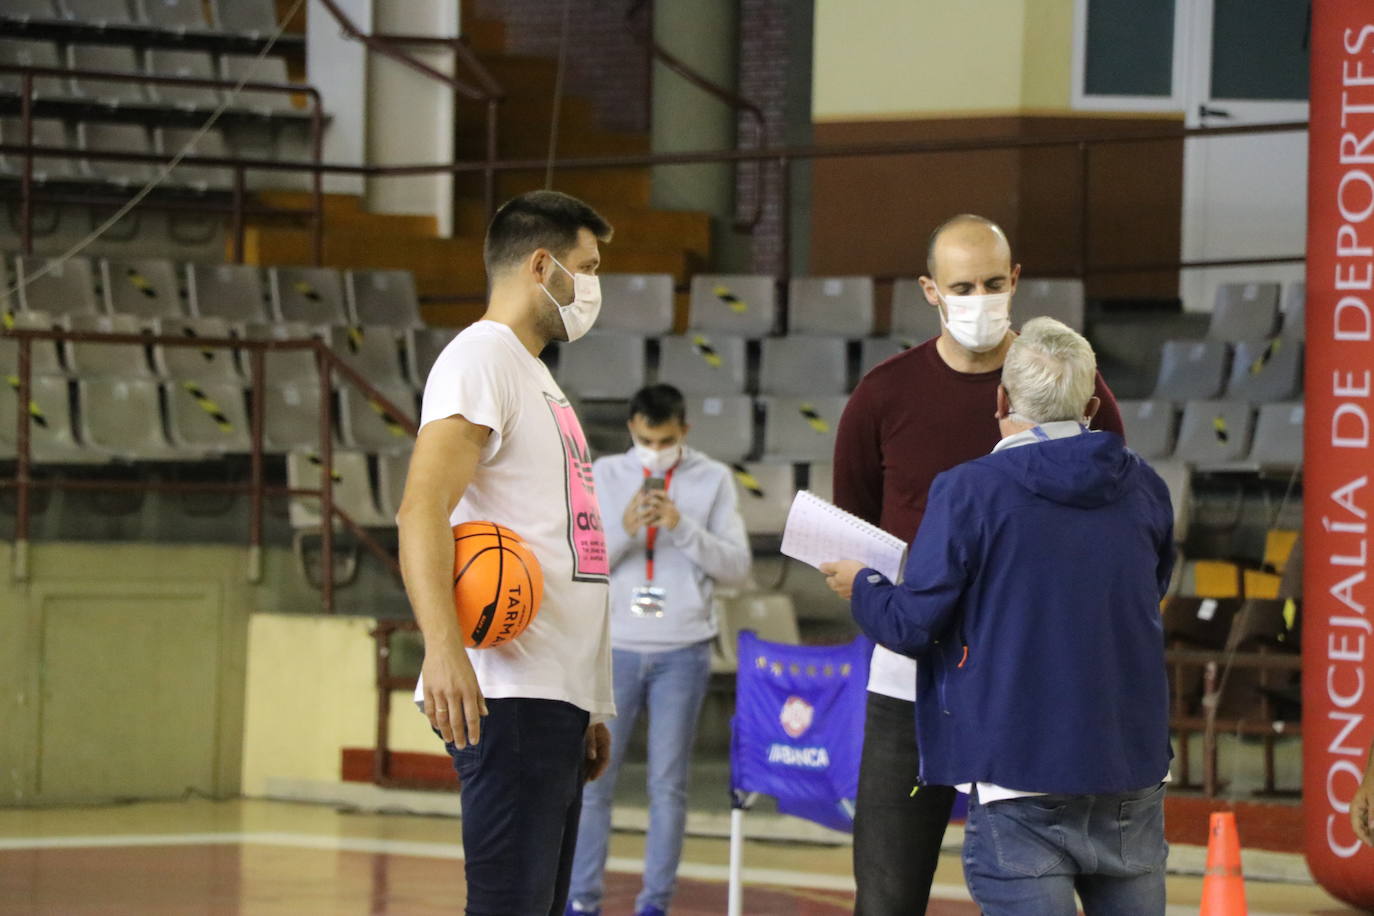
269 858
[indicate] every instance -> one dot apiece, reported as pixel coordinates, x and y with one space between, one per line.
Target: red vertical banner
1338 472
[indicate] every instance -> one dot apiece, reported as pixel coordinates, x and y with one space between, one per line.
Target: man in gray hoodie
673 531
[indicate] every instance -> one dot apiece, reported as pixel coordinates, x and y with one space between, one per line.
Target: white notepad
820 532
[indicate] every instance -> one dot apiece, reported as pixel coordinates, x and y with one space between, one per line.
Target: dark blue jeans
522 797
1027 856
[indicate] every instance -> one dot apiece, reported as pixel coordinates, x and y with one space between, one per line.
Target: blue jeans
671 686
522 793
1027 856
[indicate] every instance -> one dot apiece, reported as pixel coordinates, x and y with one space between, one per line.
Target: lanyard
651 531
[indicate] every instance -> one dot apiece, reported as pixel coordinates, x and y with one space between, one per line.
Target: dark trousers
522 797
897 833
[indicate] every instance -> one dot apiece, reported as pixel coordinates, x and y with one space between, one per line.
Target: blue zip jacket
1031 600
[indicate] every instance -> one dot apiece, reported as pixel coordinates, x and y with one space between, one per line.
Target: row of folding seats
369 488
1213 433
132 419
747 306
150 288
251 18
251 142
1260 370
110 58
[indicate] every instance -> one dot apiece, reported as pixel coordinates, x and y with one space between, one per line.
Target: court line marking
700 871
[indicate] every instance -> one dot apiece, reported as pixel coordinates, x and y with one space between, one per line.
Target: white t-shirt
892 675
534 477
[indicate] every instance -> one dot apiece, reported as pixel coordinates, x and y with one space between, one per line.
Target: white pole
736 905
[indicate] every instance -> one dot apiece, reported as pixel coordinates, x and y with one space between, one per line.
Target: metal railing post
317 183
326 478
257 374
23 466
26 184
489 173
239 222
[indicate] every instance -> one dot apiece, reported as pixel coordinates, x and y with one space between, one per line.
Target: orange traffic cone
1223 888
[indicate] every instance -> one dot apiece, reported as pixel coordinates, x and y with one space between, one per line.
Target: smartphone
652 483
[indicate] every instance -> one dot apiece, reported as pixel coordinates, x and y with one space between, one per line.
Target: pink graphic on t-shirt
584 516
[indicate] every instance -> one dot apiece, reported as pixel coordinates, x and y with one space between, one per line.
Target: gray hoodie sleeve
720 548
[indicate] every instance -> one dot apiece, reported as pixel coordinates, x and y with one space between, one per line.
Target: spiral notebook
820 532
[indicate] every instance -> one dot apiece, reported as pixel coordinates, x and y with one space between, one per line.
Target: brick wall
765 68
604 62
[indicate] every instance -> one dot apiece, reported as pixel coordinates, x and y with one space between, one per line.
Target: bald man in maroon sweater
917 414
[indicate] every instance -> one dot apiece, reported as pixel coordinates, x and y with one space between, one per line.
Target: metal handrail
29 73
737 102
327 363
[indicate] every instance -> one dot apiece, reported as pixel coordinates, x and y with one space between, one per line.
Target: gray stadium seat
1215 432
639 303
804 365
171 140
68 288
1191 370
274 142
208 417
821 479
30 11
385 298
186 64
914 320
19 53
364 425
1266 370
765 492
602 365
722 426
235 67
254 18
742 304
175 15
291 416
1244 311
97 360
351 492
286 366
835 306
42 353
800 428
699 363
373 351
1278 435
1150 427
313 295
229 291
423 346
1295 311
97 137
122 418
391 482
874 350
1061 300
196 364
51 434
148 288
112 58
1178 477
48 132
97 12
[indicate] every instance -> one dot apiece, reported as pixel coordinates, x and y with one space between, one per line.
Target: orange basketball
497 583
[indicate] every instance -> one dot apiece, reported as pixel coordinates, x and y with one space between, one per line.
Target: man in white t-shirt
498 441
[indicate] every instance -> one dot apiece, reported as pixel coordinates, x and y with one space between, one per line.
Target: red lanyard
651 531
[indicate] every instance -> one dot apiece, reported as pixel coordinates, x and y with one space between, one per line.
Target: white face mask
978 323
580 314
658 461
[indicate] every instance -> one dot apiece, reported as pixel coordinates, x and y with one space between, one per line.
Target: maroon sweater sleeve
858 474
1108 414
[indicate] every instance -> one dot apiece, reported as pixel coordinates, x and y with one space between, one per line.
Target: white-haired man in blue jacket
1030 600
